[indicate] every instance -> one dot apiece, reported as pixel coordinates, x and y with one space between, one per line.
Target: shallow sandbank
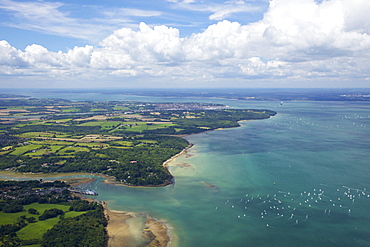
160 230
184 151
117 228
128 229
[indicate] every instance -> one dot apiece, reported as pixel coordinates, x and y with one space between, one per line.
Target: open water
300 178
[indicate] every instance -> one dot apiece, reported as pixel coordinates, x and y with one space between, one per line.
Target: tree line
86 229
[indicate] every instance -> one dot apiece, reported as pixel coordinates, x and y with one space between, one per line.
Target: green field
36 134
52 142
91 144
72 150
55 148
39 228
63 120
38 152
43 134
23 149
141 126
120 108
10 218
122 143
149 141
50 149
15 107
145 136
110 124
160 126
98 109
71 109
4 152
106 125
28 123
92 123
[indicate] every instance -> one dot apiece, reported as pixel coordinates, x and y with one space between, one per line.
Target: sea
300 178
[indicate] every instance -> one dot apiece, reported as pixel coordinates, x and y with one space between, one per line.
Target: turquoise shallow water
300 178
297 179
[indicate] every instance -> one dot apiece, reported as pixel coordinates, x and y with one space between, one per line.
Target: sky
185 44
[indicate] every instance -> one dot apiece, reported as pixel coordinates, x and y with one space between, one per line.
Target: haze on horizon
185 44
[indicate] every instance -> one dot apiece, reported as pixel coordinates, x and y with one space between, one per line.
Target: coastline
117 228
161 231
121 230
126 228
111 180
184 151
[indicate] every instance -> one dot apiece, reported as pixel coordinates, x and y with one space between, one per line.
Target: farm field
127 140
36 213
10 218
39 228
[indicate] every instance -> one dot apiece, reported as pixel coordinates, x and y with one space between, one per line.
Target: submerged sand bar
123 229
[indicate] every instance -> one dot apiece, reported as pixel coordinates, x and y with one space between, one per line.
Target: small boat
90 192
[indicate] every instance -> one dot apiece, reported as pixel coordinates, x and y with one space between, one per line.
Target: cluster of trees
8 140
139 164
11 207
81 205
29 184
219 118
84 230
51 213
11 229
69 129
202 120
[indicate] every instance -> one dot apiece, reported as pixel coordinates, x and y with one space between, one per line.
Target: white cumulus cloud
296 39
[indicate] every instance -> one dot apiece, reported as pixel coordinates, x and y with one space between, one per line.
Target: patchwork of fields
127 140
38 213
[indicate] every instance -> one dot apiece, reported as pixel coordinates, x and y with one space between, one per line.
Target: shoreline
110 180
184 151
161 231
124 228
117 228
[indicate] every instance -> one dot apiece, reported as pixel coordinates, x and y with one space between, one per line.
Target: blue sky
60 25
184 43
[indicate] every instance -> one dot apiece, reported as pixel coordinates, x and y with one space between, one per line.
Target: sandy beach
124 229
184 151
117 228
127 229
111 179
160 231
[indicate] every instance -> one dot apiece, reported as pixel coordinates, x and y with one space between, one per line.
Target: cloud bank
295 40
